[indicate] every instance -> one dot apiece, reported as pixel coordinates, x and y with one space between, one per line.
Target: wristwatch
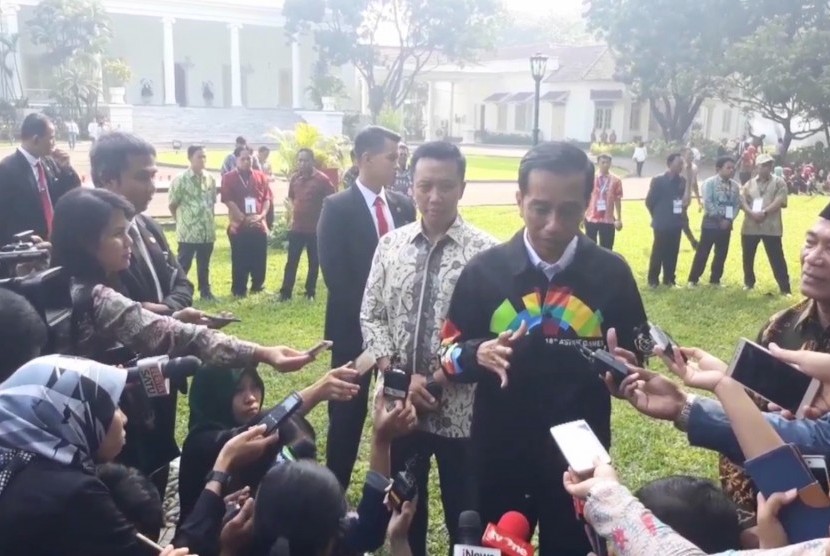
220 477
681 423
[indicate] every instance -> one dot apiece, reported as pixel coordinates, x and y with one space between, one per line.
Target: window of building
602 116
522 122
727 121
284 91
501 121
635 116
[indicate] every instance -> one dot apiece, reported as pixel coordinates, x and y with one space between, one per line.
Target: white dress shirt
370 197
551 269
33 162
138 241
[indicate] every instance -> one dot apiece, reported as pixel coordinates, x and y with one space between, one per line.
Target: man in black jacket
666 201
126 164
552 282
32 179
347 233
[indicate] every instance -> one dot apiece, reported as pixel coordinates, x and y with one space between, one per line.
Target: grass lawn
642 449
479 167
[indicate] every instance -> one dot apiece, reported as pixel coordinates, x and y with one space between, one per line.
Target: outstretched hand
494 355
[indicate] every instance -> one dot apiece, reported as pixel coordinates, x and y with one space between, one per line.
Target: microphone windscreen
516 525
469 528
182 367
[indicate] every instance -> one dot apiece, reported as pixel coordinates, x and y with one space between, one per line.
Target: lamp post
538 65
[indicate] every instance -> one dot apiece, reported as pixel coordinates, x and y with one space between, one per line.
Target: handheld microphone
154 373
469 535
510 536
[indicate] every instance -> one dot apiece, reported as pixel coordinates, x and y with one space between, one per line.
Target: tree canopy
390 42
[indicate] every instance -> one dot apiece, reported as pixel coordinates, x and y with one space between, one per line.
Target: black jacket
346 239
20 206
137 281
550 381
662 194
50 508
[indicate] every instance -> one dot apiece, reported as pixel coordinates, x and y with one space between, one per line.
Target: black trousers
249 252
298 241
457 486
640 169
687 230
775 254
664 251
710 237
346 424
604 231
202 251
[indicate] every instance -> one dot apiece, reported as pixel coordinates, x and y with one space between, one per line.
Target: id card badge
757 205
678 206
729 213
250 205
601 205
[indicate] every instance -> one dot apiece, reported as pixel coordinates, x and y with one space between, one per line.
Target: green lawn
642 449
479 167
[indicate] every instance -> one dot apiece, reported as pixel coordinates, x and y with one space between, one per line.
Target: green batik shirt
195 197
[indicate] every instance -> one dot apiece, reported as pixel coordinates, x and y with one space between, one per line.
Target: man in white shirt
347 233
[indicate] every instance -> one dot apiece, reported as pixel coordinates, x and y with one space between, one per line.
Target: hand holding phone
665 342
281 412
580 446
321 347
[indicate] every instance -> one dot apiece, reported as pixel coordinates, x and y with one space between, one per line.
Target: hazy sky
570 7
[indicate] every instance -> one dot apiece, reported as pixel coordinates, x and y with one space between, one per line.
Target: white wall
140 41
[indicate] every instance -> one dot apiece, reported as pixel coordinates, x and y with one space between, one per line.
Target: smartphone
775 381
818 467
325 345
223 319
607 363
396 384
364 363
281 412
665 342
149 543
579 445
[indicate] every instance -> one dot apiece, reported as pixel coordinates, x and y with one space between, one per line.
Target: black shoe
654 286
207 296
283 298
309 296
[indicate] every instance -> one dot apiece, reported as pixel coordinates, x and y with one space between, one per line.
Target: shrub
622 150
329 151
499 138
278 239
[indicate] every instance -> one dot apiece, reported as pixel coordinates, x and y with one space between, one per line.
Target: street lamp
538 65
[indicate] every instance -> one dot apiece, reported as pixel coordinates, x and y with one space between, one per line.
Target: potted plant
146 90
329 151
116 73
207 92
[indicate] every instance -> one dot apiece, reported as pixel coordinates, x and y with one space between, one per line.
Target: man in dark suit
347 233
32 179
126 164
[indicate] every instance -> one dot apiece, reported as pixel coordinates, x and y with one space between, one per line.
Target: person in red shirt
603 219
306 190
248 198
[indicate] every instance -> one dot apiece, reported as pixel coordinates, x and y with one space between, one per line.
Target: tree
555 27
673 54
419 32
74 34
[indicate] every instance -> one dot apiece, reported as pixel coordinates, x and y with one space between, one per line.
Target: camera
404 487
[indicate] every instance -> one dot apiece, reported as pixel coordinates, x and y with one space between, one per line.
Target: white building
579 94
238 48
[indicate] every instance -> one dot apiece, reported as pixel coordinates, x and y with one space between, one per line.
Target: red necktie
45 200
383 225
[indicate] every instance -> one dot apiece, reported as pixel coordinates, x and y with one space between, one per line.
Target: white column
236 67
169 62
11 27
296 79
99 76
428 131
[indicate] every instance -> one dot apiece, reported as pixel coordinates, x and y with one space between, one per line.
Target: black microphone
153 373
468 537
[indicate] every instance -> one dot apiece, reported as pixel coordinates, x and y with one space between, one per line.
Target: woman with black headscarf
58 417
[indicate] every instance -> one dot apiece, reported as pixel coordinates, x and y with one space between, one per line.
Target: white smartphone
818 466
324 345
364 363
775 381
579 445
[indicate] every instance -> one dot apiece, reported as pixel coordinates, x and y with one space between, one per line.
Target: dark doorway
181 84
482 118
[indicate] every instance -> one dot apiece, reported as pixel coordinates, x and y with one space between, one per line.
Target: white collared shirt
370 197
144 254
551 269
33 162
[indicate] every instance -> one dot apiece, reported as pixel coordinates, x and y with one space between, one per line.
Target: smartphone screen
779 382
818 467
579 445
281 412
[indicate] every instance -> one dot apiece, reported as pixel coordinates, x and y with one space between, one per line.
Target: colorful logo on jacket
560 313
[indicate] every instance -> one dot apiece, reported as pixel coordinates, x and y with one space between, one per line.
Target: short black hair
604 156
238 150
306 150
135 496
34 125
671 158
193 149
264 149
559 158
440 150
372 139
697 509
23 333
110 156
241 141
722 161
81 216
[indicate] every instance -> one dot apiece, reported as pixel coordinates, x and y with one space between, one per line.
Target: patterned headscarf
58 408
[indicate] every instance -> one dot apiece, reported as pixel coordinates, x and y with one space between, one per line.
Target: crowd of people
491 337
